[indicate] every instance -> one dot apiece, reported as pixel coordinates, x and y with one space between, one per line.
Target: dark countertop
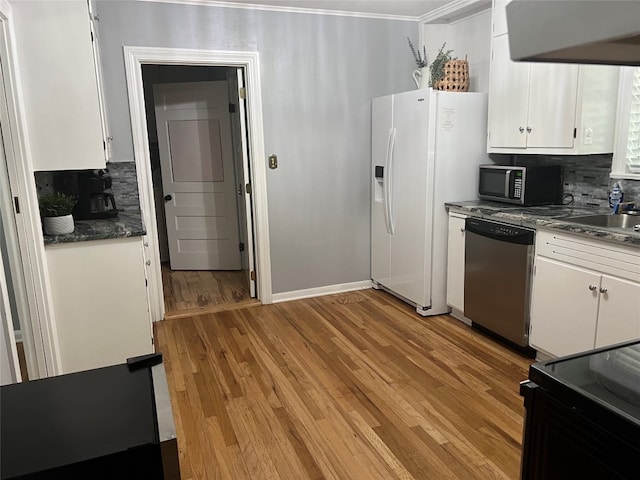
126 224
548 217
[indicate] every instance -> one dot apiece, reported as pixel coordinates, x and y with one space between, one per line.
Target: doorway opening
196 142
187 132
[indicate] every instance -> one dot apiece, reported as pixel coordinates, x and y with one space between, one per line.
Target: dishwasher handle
499 231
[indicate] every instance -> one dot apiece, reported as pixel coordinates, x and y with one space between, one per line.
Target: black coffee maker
94 198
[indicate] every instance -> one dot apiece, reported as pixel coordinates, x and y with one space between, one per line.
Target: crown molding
455 10
273 8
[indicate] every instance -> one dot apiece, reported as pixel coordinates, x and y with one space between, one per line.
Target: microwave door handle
507 182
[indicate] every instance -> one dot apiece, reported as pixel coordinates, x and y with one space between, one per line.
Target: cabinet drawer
621 261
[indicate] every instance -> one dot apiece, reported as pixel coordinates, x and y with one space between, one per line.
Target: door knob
603 289
521 130
593 287
528 129
168 198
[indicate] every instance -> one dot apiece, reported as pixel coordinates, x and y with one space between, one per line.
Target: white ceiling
406 8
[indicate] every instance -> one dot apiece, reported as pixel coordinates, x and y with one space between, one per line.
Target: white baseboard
18 335
319 291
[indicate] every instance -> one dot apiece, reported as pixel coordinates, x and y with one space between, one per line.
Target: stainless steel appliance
498 262
532 185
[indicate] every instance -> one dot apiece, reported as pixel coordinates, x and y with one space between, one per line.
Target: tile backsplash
124 183
586 177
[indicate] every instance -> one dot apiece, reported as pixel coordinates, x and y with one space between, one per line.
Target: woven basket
456 77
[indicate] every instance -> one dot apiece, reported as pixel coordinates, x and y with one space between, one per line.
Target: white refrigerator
425 149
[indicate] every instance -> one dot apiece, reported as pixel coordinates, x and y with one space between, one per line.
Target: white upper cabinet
549 109
59 84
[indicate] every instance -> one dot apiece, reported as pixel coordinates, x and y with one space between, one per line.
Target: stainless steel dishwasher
497 278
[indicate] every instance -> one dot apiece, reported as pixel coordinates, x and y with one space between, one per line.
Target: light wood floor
194 292
352 386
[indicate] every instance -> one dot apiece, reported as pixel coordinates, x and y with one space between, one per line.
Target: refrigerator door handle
385 185
390 182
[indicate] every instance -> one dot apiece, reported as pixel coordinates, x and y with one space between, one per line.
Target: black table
107 423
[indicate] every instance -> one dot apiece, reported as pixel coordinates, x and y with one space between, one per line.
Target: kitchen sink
612 221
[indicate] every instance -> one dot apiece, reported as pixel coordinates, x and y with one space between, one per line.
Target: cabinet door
553 91
508 98
100 302
455 264
619 313
564 308
59 84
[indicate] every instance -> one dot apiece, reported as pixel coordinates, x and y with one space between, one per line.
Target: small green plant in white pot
55 209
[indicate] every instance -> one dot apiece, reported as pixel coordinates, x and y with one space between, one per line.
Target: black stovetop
608 377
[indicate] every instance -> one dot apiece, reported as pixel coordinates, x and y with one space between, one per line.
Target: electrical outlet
588 136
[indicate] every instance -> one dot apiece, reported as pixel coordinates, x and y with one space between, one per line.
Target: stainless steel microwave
532 185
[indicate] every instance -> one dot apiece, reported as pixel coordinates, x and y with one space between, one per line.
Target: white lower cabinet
585 294
619 311
455 262
564 311
100 302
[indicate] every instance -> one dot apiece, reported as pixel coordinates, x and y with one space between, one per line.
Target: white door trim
134 58
33 258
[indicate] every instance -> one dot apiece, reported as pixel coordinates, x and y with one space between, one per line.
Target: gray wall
319 74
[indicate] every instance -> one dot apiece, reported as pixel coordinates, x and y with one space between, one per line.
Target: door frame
44 358
134 58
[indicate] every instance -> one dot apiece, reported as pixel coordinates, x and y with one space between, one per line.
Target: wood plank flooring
349 386
194 292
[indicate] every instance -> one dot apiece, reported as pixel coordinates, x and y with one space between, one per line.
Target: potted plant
55 209
421 75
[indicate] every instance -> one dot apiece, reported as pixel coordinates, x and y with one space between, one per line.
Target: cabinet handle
462 230
603 289
528 129
521 129
593 288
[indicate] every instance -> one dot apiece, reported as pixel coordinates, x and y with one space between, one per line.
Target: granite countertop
126 224
548 217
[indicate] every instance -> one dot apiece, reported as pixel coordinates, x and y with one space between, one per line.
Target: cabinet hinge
241 247
253 275
232 108
575 132
247 188
242 92
16 203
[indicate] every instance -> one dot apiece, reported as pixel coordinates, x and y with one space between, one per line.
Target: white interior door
198 178
244 192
